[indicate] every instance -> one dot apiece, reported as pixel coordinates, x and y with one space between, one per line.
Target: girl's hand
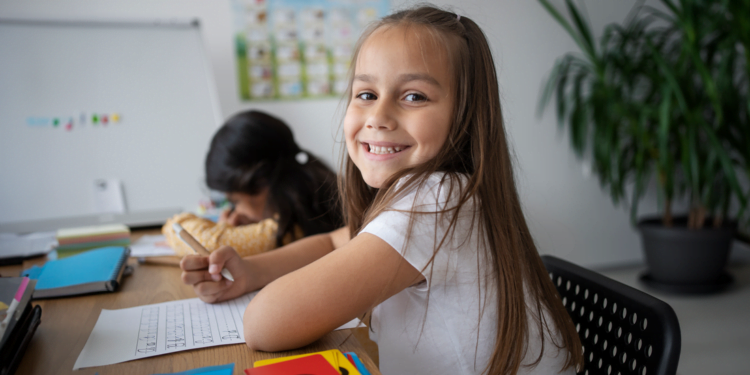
204 274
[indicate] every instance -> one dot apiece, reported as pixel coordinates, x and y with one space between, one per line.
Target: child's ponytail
255 151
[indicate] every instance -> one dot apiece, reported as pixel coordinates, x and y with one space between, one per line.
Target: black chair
623 330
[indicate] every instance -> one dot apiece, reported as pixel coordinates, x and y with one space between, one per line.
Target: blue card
227 369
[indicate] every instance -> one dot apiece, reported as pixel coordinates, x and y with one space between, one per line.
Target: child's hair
477 148
253 151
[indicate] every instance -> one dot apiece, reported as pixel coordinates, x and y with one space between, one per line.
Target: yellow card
334 357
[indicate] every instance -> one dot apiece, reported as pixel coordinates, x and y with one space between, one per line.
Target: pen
13 305
197 247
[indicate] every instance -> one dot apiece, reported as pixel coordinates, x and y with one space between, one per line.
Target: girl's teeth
384 150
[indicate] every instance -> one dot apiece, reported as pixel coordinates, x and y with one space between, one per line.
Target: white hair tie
301 157
458 18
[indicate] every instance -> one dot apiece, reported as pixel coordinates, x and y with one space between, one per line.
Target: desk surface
67 323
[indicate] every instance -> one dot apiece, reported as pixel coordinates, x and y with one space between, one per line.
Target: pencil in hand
197 247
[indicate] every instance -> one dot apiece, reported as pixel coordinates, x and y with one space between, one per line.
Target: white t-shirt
443 334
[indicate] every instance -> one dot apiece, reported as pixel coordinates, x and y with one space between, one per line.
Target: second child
279 192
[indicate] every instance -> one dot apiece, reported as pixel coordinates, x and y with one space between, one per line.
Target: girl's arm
252 273
248 239
302 306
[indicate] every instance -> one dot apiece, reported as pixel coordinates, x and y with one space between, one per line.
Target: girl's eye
415 98
366 96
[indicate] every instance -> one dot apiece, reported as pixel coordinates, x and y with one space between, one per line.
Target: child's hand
204 274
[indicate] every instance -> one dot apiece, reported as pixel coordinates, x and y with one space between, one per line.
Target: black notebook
17 340
21 326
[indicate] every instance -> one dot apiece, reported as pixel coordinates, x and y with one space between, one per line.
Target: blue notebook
98 270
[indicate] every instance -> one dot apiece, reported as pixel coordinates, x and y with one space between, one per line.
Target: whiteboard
58 82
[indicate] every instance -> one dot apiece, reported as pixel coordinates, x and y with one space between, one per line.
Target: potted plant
664 96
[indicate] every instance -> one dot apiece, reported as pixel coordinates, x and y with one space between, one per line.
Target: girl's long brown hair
477 148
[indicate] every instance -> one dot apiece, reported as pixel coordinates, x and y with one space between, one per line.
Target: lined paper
164 328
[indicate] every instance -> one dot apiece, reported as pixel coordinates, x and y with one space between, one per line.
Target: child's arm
247 239
254 272
302 306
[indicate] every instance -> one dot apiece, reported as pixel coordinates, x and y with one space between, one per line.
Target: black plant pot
682 260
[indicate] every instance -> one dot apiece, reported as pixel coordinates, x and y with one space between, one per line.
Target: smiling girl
435 245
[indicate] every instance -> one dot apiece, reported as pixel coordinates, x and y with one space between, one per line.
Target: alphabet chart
163 328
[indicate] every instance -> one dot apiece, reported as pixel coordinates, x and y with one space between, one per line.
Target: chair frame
623 330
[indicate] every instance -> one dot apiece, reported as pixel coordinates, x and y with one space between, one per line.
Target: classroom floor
715 328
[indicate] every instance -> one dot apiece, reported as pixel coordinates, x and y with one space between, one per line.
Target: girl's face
248 209
402 103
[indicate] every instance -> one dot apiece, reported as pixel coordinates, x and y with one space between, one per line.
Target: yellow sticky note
334 357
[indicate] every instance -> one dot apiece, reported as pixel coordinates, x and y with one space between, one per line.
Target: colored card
313 364
357 362
334 357
227 369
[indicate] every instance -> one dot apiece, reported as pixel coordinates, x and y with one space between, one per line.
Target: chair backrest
623 330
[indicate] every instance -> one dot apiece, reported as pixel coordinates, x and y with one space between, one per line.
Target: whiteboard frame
141 218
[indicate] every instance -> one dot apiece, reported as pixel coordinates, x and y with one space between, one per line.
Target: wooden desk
67 323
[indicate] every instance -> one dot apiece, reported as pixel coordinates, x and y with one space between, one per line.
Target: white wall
569 214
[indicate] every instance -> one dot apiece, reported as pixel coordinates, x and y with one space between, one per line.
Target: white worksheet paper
150 246
163 328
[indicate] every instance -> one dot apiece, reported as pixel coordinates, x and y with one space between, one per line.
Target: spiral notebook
94 271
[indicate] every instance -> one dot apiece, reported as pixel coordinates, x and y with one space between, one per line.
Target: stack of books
73 241
18 320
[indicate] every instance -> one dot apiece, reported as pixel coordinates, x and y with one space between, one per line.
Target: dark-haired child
279 192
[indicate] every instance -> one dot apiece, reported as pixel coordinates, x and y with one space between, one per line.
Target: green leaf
727 165
693 158
579 39
562 108
708 83
583 29
549 87
663 133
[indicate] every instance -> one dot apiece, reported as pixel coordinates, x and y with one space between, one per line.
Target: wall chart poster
289 49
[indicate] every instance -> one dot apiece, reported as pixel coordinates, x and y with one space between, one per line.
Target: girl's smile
402 102
382 150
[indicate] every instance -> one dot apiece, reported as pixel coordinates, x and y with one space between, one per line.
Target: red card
310 365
